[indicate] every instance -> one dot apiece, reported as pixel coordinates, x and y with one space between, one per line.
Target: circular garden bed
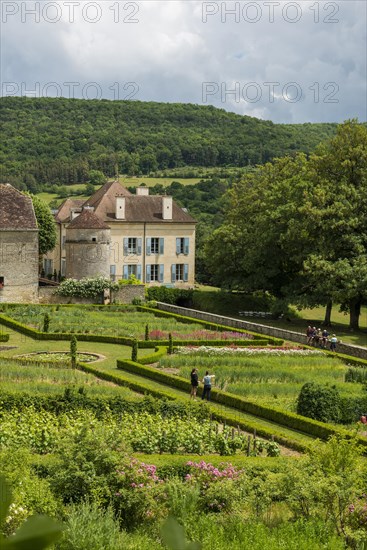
57 356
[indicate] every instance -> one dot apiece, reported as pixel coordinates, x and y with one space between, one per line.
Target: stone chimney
167 208
142 190
120 208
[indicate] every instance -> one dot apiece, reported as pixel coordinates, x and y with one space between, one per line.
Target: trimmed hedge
4 337
208 325
159 352
288 419
72 401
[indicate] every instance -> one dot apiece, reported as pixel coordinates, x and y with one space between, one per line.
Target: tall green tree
46 225
297 227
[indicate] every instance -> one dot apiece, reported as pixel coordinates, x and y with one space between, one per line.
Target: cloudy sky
302 61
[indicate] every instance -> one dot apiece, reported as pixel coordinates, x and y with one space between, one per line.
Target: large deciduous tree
298 227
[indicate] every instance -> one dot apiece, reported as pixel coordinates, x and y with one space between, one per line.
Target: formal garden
98 433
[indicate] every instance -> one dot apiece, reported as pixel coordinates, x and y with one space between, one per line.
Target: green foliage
134 351
46 322
96 177
85 288
170 344
146 332
89 526
4 337
68 139
36 533
46 225
73 351
173 536
299 206
319 402
132 280
177 296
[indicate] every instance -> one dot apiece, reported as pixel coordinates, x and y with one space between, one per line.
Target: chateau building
117 234
19 261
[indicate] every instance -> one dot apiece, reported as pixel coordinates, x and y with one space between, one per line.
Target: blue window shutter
126 246
161 273
178 245
126 272
173 273
138 248
161 245
186 246
148 274
138 272
148 245
186 273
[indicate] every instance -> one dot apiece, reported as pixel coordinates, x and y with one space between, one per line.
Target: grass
47 380
225 303
315 317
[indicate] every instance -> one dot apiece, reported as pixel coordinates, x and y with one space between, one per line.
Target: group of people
318 338
207 381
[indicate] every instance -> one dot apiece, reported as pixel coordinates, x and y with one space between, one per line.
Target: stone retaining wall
46 295
347 349
127 293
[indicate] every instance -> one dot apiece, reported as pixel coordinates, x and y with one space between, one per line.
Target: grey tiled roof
16 209
87 220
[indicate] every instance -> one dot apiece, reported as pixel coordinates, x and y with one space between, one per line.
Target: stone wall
46 295
127 293
347 349
19 265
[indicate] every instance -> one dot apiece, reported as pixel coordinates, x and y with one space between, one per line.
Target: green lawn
314 317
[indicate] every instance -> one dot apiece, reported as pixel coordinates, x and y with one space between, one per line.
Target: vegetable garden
112 463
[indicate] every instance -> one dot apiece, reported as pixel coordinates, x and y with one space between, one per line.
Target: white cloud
169 52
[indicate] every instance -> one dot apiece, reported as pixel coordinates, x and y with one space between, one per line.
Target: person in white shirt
333 342
207 381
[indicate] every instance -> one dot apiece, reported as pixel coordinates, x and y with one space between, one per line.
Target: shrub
86 288
4 337
319 402
90 527
134 351
73 350
46 322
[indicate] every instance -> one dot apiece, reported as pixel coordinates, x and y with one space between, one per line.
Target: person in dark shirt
194 383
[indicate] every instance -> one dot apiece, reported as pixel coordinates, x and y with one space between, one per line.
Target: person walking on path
207 381
194 383
333 342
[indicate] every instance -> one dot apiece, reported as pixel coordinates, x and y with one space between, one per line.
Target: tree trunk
327 320
355 311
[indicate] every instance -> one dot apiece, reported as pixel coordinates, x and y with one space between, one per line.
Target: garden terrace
119 322
268 376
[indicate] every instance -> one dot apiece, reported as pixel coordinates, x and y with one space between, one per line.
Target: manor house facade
117 234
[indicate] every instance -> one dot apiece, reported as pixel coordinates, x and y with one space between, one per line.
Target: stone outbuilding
19 260
87 244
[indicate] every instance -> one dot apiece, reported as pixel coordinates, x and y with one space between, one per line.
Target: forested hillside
47 140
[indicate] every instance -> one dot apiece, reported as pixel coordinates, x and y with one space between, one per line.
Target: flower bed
58 356
233 350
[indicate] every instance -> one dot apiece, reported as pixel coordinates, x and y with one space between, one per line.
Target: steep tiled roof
16 209
87 220
103 200
149 209
63 213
